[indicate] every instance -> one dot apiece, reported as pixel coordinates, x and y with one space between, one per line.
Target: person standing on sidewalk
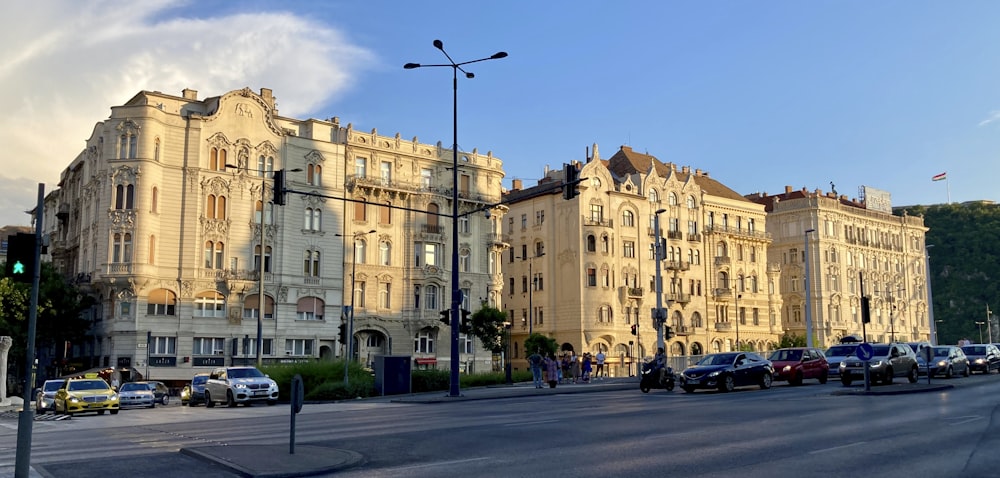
600 363
535 362
552 370
574 367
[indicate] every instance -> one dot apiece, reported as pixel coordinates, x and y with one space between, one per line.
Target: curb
251 460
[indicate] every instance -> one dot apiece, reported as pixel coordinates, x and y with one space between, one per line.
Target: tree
536 341
789 339
488 325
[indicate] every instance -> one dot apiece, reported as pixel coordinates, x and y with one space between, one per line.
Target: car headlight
980 361
788 368
114 396
942 363
74 399
715 373
240 385
876 363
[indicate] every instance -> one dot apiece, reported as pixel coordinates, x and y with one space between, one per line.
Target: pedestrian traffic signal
21 257
669 333
866 313
465 326
445 317
279 187
634 332
571 177
343 334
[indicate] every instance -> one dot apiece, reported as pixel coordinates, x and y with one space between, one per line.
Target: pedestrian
574 367
564 369
535 362
552 370
600 363
586 367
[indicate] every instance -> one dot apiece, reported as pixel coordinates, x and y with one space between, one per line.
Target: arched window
432 215
251 309
384 253
310 308
628 219
214 254
155 198
310 265
672 199
267 258
210 304
360 252
591 243
691 204
654 197
161 302
312 219
314 175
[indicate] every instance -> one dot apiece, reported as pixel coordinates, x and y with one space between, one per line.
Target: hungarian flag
940 177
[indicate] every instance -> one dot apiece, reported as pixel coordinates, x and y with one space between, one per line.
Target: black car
726 371
194 392
983 358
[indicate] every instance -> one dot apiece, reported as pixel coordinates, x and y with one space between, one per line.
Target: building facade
583 271
168 218
853 248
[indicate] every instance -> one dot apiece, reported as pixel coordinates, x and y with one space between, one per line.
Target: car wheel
796 379
846 381
644 388
166 400
727 384
823 377
765 381
889 375
114 412
967 372
184 403
688 389
949 373
230 401
914 375
208 400
100 412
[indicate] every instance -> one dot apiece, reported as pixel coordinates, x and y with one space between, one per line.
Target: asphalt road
785 431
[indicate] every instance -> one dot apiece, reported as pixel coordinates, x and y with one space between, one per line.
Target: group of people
569 368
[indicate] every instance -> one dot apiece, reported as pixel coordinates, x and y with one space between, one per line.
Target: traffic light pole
27 416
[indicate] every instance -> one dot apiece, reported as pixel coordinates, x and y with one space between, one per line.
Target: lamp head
410 66
469 75
498 55
438 44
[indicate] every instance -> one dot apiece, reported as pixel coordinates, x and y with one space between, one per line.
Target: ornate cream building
160 218
850 242
582 270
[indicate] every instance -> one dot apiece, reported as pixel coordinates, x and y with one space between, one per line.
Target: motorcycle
651 377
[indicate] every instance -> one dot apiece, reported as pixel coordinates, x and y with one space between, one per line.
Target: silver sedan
136 395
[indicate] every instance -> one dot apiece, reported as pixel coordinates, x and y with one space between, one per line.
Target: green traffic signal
18 268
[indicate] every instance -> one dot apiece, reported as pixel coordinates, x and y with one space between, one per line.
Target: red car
796 364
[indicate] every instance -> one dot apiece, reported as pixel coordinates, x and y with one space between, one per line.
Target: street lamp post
738 297
506 355
349 340
930 296
658 254
456 291
809 337
980 324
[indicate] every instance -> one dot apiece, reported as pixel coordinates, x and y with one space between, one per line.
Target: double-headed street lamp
456 291
980 324
349 340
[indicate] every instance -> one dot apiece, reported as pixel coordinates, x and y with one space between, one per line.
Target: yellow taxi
77 395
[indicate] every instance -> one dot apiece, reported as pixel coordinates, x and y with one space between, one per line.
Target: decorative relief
283 294
186 289
122 219
124 175
242 109
215 185
314 157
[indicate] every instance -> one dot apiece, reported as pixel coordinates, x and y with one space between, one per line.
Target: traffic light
465 326
21 257
571 177
445 317
634 331
343 334
279 187
866 313
669 333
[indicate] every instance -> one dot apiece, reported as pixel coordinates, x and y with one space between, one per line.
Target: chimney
788 189
268 96
515 185
189 94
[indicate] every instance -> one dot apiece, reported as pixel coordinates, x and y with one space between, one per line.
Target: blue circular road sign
865 351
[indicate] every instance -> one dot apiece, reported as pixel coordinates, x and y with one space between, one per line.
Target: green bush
337 391
321 375
429 380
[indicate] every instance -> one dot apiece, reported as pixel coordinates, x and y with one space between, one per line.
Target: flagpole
947 186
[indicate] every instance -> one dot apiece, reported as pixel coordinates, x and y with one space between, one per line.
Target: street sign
140 346
865 351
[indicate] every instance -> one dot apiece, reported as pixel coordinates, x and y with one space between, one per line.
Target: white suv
235 385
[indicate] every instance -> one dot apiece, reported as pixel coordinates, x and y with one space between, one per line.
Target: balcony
597 221
679 297
634 291
496 239
675 235
723 293
722 260
652 231
432 228
684 330
723 327
677 265
694 237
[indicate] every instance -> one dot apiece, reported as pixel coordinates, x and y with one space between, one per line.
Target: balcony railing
652 231
694 237
432 228
723 293
722 260
496 238
679 297
597 221
675 235
677 265
634 291
723 326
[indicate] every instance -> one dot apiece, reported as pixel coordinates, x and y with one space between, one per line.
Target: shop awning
426 361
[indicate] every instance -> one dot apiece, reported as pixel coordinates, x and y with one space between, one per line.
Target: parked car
235 385
161 392
888 361
983 358
136 394
727 371
918 348
78 395
194 393
837 354
46 395
799 363
949 360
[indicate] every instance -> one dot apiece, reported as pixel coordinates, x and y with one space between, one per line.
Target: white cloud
994 115
67 62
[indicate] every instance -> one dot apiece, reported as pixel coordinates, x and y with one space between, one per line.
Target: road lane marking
967 420
824 450
439 463
537 422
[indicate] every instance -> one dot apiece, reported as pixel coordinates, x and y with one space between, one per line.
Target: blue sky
760 94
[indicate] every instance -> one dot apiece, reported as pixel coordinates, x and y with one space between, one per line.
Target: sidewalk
522 389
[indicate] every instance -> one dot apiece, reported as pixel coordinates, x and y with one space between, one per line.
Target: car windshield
79 385
841 350
129 387
941 351
244 373
786 355
880 350
717 359
199 380
52 385
974 350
